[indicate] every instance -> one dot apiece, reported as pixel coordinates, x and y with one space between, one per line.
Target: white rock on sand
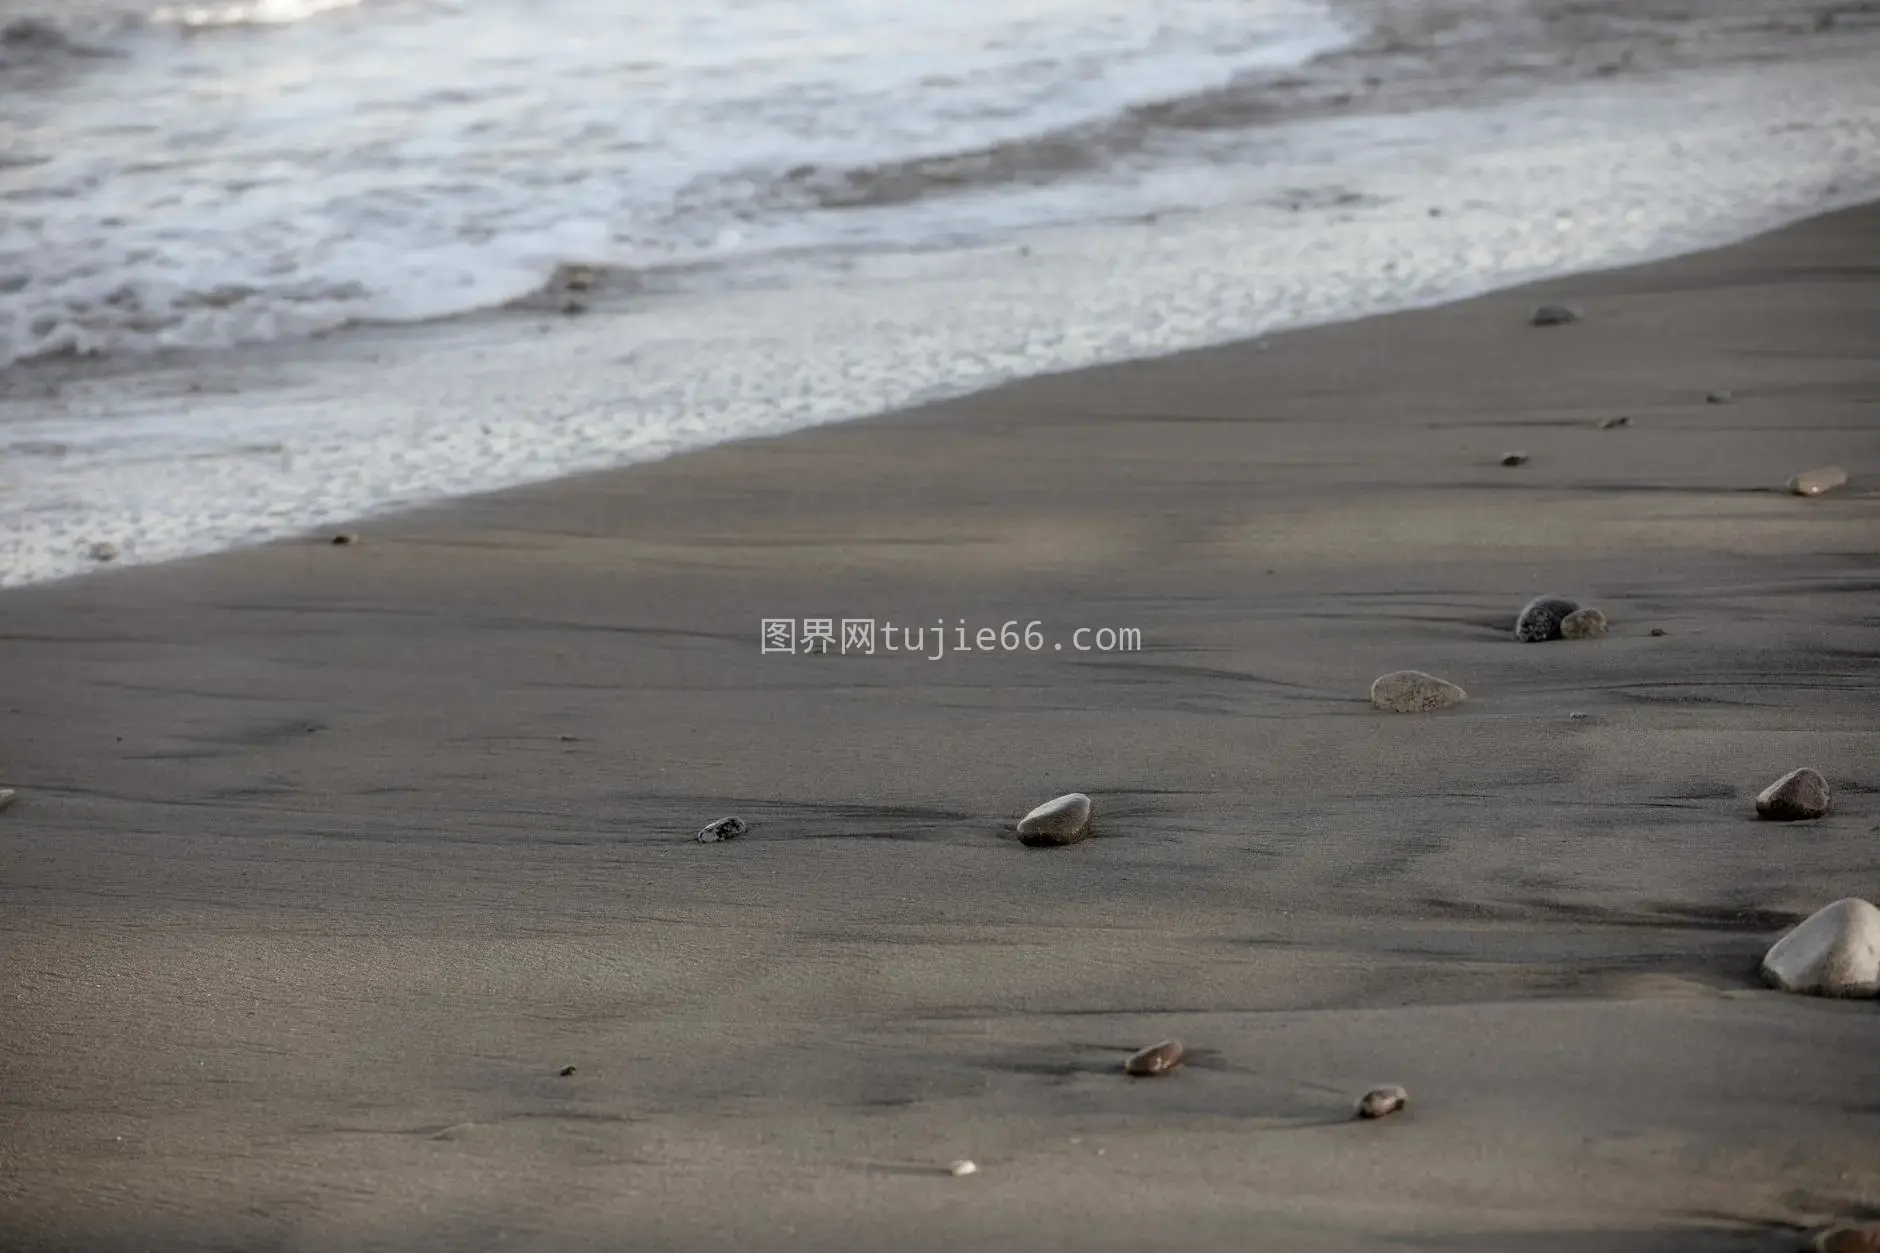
1412 691
1065 820
1836 952
1816 482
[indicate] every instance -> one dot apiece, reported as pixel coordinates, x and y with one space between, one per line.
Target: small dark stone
103 550
1797 795
1719 397
1658 631
1435 212
1540 619
566 1071
1610 423
1554 315
343 539
1515 459
1157 1059
572 307
566 739
1379 1102
723 829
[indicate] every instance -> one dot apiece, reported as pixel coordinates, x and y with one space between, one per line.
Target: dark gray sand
328 861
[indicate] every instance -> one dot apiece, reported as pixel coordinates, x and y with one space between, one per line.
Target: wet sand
327 860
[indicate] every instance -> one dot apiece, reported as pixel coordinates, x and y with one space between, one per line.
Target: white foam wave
247 12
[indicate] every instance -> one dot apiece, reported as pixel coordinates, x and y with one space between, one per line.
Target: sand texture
327 860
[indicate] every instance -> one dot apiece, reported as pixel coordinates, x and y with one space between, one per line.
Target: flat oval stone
1157 1059
1413 692
1836 952
1611 424
1796 795
1379 1102
963 1168
723 829
1554 315
1816 482
1541 617
1065 820
1514 459
1583 624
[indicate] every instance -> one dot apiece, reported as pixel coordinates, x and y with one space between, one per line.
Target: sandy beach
327 861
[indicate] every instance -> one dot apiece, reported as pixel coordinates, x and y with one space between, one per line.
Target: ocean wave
246 12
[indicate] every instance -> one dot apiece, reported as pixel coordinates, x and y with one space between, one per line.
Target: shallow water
802 213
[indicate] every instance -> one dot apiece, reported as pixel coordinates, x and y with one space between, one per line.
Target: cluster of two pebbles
1541 619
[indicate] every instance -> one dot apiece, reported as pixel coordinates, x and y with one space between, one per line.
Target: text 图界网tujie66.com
868 637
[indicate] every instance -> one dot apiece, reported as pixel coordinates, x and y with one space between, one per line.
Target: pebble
344 538
1157 1059
1065 820
1798 794
1583 624
1836 952
1412 691
962 1168
1515 459
1610 423
566 1071
571 307
1848 1240
723 829
1541 617
1379 1102
1722 396
1657 631
103 550
1554 315
6 796
1818 482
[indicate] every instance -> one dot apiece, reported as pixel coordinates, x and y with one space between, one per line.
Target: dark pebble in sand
1157 1059
1541 617
1721 396
1611 423
1848 1240
1515 459
1797 795
103 550
1554 315
1657 631
723 829
1379 1102
343 539
573 307
566 1071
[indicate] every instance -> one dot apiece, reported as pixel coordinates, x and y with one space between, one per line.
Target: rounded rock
1835 952
6 796
1657 631
1722 396
1797 795
1583 624
1384 1101
723 829
962 1168
343 539
1541 617
1554 315
1515 459
1157 1059
103 550
1817 482
1065 820
566 1071
1848 1240
1414 692
1613 423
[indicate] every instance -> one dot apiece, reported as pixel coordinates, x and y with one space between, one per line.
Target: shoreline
293 438
327 861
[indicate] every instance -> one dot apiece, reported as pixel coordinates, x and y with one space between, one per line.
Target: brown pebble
1515 459
344 538
1849 1240
1797 795
566 1071
1379 1102
1610 423
1658 630
1583 624
1157 1059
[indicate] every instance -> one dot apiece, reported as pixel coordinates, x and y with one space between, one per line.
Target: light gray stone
1413 692
1583 624
723 829
1065 820
1380 1102
1816 482
1836 952
1157 1059
1799 794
